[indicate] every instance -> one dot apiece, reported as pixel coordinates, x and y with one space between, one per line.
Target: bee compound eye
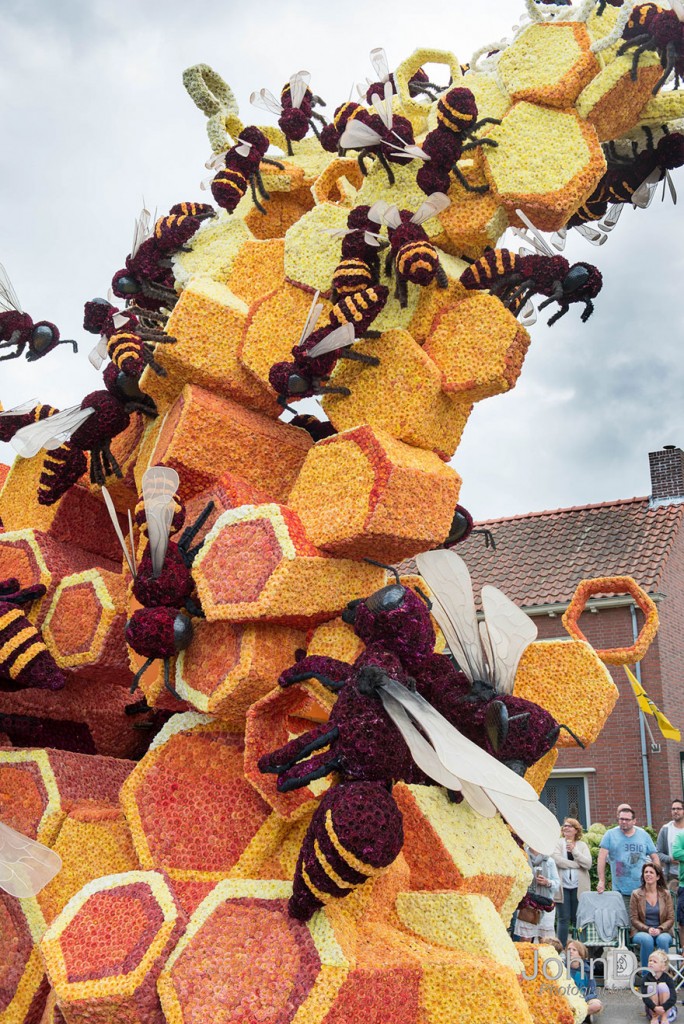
182 631
296 384
387 599
576 278
42 337
128 285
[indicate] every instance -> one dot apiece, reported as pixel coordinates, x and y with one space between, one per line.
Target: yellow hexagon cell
404 193
433 301
335 639
414 109
547 163
311 253
567 678
339 182
402 396
491 100
479 347
257 269
538 774
612 102
664 108
213 248
472 222
548 64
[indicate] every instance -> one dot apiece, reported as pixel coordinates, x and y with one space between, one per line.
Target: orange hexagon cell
22 978
612 102
258 269
84 626
203 436
548 64
338 182
361 494
603 585
105 950
273 721
208 322
244 958
189 807
257 564
229 665
479 347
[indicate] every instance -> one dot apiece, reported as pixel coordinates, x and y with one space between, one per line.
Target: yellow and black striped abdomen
450 115
352 275
228 187
165 224
491 266
20 643
417 261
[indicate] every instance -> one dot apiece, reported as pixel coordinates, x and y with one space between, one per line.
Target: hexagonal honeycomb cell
258 269
105 950
568 679
84 624
479 347
547 163
258 565
311 255
23 986
361 494
612 102
549 64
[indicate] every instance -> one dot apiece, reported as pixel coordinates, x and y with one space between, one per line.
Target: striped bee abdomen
494 264
24 659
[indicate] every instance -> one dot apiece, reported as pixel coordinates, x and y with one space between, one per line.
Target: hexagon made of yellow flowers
244 958
547 163
567 678
549 64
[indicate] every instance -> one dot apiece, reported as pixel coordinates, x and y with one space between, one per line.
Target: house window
565 795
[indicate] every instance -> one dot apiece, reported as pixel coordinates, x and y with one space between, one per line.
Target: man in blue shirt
626 848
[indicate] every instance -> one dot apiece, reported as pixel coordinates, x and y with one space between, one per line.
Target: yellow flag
649 708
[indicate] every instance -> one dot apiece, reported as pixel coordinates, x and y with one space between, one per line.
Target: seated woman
651 913
660 997
579 969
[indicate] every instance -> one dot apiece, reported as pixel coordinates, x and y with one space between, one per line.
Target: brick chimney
667 474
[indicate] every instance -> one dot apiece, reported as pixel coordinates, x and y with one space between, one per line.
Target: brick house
538 561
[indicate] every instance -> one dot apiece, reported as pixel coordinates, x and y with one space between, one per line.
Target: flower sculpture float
259 831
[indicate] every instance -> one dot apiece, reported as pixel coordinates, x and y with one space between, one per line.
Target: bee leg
482 122
260 184
319 117
401 292
273 163
328 389
319 771
296 750
484 141
670 61
146 410
314 129
139 674
567 728
588 310
138 708
361 161
458 174
316 101
389 260
372 334
359 357
388 170
194 609
255 198
190 532
290 151
167 680
440 274
556 316
112 467
11 355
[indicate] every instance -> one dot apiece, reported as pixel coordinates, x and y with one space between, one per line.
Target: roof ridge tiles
574 508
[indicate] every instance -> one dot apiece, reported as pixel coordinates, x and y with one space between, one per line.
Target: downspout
642 727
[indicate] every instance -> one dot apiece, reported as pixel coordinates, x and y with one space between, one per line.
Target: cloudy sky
93 116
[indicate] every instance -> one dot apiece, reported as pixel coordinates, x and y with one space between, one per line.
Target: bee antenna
577 740
381 565
427 600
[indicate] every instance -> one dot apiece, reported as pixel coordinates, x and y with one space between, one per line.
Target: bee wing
448 578
643 196
243 148
315 311
26 866
434 204
591 234
337 232
528 315
678 7
97 355
559 239
217 160
299 83
457 754
510 633
371 238
18 410
117 530
378 59
8 297
536 238
378 210
358 135
141 230
121 320
383 107
265 100
159 484
671 186
49 433
612 216
339 338
534 823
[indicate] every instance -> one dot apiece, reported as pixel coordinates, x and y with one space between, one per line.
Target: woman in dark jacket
651 913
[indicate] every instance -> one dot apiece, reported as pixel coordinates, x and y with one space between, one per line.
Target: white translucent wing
391 216
534 823
141 230
217 160
408 151
97 355
26 866
559 238
299 83
643 196
671 186
383 107
358 135
612 216
510 633
478 799
8 297
448 578
120 320
528 315
434 204
337 232
117 529
159 484
378 210
486 646
378 59
18 410
49 433
315 311
591 234
339 338
678 7
544 246
243 148
458 755
371 239
265 100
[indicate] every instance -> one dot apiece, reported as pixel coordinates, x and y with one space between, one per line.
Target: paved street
622 1007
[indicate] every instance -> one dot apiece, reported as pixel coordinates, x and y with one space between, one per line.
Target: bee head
583 281
124 284
44 337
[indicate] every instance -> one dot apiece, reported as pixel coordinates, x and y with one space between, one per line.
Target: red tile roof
541 557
